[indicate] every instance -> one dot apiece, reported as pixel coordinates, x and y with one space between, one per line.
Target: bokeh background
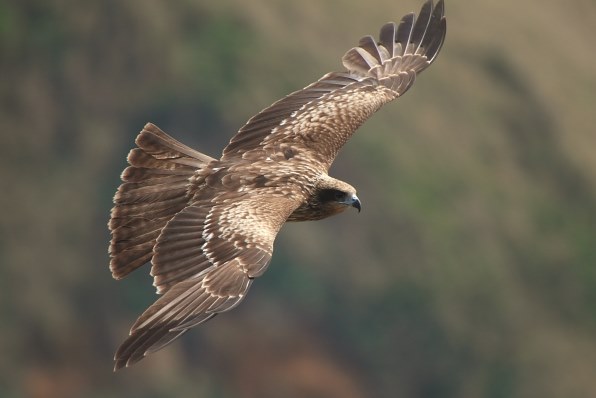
471 271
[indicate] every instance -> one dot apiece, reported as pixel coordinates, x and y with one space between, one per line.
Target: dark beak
356 203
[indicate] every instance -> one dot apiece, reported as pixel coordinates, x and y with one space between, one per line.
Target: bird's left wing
318 120
205 260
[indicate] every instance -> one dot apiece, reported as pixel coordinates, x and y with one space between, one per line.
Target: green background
471 271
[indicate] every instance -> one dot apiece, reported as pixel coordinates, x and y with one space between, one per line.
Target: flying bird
207 225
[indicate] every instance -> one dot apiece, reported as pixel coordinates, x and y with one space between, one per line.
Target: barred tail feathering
154 188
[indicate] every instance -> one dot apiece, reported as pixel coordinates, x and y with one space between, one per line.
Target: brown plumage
208 225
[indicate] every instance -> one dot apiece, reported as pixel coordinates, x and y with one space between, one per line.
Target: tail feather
158 144
148 192
146 209
154 188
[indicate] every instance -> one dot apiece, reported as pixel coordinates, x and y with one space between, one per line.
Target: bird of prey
207 225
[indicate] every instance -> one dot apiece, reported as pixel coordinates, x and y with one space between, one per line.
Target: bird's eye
339 195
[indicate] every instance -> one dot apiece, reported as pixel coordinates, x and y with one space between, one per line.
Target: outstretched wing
205 260
319 119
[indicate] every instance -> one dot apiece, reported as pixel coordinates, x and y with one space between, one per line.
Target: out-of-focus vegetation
471 271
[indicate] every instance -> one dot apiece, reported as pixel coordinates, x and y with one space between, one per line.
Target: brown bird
208 225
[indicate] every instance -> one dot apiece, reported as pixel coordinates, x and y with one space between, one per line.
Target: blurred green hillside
471 271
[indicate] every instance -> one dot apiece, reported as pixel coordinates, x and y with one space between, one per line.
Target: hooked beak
356 203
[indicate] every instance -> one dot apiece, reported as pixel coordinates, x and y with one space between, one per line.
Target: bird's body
208 225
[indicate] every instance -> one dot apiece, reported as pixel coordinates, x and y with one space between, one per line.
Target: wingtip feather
411 46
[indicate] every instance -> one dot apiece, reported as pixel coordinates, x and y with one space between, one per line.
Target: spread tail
154 188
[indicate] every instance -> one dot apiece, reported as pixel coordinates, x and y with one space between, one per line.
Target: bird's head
334 196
